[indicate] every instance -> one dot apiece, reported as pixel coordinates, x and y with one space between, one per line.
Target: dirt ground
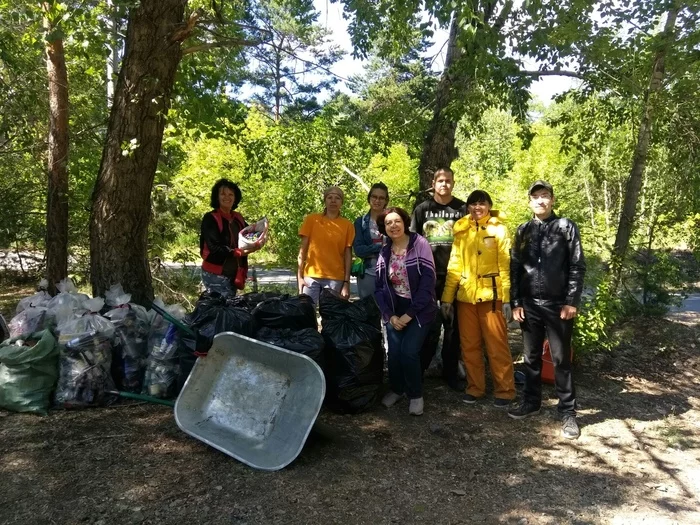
638 460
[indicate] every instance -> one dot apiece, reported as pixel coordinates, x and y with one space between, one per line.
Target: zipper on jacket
387 284
419 274
539 259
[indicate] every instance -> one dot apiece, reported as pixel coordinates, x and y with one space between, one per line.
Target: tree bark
439 146
121 198
57 201
641 151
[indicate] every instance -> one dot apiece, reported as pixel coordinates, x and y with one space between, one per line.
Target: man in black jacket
546 271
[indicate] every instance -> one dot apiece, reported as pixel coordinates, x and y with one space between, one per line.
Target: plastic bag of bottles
118 299
130 351
163 364
90 322
41 298
84 372
131 328
68 296
28 372
29 321
255 235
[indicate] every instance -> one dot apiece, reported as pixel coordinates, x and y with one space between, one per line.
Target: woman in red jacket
224 264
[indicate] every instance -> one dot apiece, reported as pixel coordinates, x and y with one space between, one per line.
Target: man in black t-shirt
434 220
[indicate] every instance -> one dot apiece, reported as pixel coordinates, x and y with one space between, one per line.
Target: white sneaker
390 399
415 407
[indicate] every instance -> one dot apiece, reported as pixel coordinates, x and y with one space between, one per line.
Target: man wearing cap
434 220
546 271
325 254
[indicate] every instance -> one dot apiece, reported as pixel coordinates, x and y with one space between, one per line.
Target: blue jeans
405 372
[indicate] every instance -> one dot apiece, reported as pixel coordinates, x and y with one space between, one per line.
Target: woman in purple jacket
405 292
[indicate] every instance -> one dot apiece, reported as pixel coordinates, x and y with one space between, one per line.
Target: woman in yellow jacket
478 277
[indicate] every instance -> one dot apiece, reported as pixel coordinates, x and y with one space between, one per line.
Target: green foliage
291 65
653 283
176 285
289 166
397 170
392 104
594 322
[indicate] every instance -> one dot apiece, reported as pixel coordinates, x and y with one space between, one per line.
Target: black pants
450 352
544 322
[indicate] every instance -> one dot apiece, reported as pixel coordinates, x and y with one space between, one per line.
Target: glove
507 312
448 311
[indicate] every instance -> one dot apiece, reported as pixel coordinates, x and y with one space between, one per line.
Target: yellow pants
479 322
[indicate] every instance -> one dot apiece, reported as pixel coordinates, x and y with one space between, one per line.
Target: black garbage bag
253 299
293 312
213 314
306 341
333 306
354 354
84 372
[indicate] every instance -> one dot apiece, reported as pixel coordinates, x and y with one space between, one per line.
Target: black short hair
225 183
378 186
405 217
479 196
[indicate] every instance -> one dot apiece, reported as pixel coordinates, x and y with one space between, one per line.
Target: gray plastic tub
252 400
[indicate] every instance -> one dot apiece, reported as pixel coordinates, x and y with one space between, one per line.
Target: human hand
519 314
507 312
345 291
395 323
567 312
448 311
404 320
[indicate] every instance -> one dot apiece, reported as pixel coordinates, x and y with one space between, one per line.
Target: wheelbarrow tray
251 400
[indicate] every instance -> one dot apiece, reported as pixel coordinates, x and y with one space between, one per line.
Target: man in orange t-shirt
325 254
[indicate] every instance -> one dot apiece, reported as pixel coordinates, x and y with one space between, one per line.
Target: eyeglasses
377 197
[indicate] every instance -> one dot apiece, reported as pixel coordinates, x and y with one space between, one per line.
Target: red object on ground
548 364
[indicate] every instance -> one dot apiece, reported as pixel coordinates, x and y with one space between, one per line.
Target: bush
597 315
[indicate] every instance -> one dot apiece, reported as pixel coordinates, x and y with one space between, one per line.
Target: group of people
455 252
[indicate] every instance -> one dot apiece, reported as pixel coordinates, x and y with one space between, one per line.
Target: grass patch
676 436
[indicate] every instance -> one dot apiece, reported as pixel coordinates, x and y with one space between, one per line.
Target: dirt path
638 460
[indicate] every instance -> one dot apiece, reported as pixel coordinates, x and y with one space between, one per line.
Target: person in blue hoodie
368 241
405 293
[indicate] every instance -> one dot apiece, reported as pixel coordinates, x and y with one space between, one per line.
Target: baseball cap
540 185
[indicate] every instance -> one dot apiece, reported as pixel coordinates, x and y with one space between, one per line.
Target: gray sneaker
390 399
569 428
415 407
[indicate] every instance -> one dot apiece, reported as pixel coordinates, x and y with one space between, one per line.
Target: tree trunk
641 151
57 201
113 45
121 199
439 146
